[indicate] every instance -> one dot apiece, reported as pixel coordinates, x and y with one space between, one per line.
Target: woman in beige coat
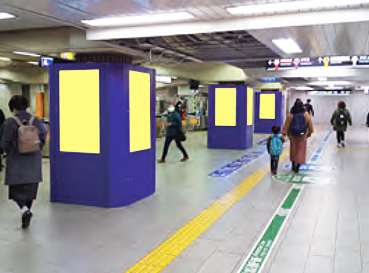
298 127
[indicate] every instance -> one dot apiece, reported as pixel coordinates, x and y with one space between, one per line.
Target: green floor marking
299 178
255 261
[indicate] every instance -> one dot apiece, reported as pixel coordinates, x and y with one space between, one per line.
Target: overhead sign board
327 61
330 93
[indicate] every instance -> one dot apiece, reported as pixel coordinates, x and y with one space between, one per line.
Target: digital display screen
46 61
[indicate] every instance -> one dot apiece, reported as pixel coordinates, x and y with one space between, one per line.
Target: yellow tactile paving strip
162 256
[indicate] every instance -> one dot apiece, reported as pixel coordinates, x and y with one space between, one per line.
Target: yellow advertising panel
250 106
225 106
267 106
79 95
139 111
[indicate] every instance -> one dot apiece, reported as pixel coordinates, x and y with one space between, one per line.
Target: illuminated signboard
330 93
332 61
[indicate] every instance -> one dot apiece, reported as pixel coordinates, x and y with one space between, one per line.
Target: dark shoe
185 159
26 219
161 160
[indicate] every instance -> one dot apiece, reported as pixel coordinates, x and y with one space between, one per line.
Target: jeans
168 141
340 136
274 160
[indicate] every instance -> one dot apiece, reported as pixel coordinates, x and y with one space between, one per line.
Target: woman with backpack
298 127
22 138
340 119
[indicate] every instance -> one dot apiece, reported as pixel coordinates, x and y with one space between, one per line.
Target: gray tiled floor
327 233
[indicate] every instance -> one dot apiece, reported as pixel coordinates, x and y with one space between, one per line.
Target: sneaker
26 219
185 159
338 145
161 161
343 144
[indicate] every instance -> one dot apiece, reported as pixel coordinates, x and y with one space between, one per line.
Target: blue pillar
230 117
268 111
102 134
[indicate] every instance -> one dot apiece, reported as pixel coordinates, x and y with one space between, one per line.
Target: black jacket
367 120
309 108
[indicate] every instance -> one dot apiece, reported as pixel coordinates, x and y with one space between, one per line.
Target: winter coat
176 124
287 125
21 168
340 128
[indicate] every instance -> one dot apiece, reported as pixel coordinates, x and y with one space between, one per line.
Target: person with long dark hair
341 118
298 127
23 169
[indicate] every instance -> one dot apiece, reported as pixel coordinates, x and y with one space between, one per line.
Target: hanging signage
326 61
68 56
330 93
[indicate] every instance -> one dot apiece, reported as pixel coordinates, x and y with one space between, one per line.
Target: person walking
298 127
22 138
341 117
309 108
367 123
275 148
174 132
2 120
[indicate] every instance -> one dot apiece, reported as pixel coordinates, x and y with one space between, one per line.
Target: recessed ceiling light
26 54
288 45
5 59
139 20
5 15
294 6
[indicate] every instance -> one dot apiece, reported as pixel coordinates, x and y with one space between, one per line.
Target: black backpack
341 119
298 125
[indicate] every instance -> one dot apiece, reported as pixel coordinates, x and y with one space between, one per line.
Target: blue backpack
276 145
298 125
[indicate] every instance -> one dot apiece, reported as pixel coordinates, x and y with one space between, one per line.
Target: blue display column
102 134
230 122
268 111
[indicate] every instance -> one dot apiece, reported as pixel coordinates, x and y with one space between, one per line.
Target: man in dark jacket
309 108
2 120
23 171
173 133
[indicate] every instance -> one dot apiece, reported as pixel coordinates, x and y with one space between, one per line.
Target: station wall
357 104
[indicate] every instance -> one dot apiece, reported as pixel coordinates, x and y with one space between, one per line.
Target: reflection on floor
326 233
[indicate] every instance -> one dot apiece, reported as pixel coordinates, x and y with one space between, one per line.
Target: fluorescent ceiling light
34 63
5 15
330 83
288 45
294 6
303 88
26 54
139 20
5 59
322 79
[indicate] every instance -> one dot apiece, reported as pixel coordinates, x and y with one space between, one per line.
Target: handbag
182 135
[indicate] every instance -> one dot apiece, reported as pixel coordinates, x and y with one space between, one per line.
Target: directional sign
311 167
301 179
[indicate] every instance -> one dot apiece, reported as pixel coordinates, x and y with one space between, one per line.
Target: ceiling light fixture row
258 9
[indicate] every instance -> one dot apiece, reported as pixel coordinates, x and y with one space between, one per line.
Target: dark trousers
274 160
22 204
168 141
340 136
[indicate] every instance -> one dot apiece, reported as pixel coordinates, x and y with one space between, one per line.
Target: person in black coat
309 108
2 120
23 171
173 133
